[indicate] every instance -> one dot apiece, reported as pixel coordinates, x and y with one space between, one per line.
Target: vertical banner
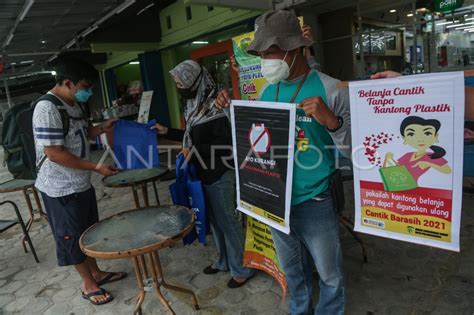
260 252
407 137
263 139
251 80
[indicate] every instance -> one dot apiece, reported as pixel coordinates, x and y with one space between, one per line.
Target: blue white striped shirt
56 180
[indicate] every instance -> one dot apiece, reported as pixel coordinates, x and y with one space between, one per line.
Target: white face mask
276 70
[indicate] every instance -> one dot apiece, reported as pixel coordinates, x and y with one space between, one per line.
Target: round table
28 187
139 234
137 179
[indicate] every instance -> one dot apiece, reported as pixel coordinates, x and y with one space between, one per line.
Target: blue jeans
314 231
227 229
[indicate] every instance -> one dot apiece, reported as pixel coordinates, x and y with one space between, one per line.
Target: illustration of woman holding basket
422 135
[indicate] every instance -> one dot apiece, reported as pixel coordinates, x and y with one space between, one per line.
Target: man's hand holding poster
263 137
407 136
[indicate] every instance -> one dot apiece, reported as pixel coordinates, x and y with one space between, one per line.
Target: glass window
454 38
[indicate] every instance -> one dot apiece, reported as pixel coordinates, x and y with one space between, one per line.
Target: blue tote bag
135 145
188 192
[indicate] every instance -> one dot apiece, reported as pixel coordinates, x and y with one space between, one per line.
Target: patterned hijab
200 109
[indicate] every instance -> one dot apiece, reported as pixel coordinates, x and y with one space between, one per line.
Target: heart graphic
372 143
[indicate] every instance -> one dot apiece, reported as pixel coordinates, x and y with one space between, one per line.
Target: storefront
196 32
124 87
354 39
405 36
201 33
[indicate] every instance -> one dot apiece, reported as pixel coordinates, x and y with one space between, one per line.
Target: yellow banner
260 253
428 227
251 80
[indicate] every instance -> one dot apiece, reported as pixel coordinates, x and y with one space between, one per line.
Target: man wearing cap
322 121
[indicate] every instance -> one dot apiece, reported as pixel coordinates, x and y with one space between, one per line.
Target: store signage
447 5
236 4
408 165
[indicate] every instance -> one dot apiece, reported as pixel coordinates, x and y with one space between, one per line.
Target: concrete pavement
400 278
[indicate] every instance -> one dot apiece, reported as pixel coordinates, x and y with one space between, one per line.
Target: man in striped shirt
64 176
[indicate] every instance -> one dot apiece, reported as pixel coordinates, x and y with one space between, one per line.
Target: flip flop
89 296
109 276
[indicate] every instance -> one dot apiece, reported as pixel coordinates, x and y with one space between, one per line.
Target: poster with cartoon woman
407 137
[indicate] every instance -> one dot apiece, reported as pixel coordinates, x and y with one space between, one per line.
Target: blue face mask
83 95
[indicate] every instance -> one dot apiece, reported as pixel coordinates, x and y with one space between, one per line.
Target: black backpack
18 140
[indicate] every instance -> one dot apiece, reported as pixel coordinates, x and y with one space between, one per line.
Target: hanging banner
407 137
263 139
251 80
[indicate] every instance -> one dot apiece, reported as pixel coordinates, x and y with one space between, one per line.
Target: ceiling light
117 10
134 63
53 73
456 25
410 14
26 61
200 42
393 11
43 42
8 40
145 8
90 30
53 57
72 42
105 18
124 5
464 27
26 9
445 23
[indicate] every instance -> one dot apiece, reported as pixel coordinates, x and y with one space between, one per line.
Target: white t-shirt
53 179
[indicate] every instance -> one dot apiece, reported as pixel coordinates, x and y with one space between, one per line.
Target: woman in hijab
207 132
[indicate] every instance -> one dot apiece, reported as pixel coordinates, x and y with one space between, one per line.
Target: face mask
276 70
83 95
189 93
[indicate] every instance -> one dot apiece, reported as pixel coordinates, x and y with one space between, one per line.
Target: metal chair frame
23 227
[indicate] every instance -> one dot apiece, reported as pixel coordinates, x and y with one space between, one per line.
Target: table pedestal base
151 262
144 188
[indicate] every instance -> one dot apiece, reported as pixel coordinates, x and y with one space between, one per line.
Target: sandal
109 276
100 292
